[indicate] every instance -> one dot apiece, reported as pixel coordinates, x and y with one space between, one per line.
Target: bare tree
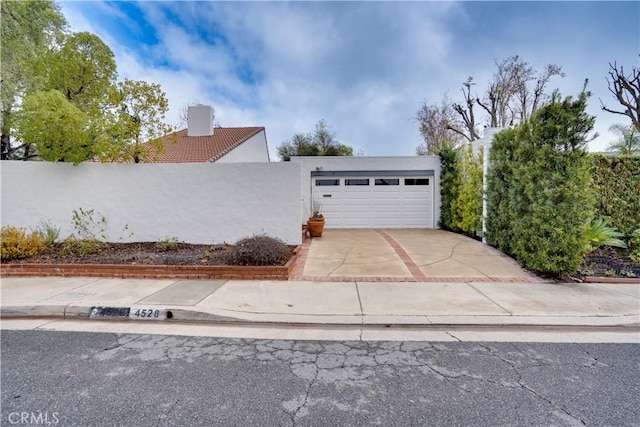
435 121
626 90
539 96
511 74
511 96
514 94
466 113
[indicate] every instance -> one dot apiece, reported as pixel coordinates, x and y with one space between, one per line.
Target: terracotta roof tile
196 149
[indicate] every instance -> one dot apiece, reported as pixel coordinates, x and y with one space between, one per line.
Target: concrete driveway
406 255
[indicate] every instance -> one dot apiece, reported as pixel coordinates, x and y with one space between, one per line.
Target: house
201 142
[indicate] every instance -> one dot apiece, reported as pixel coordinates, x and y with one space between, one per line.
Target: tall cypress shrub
556 181
467 206
448 186
501 209
542 171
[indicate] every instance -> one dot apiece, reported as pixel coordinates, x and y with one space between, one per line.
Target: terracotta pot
316 226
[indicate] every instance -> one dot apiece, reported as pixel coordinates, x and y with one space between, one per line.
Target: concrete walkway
397 255
331 303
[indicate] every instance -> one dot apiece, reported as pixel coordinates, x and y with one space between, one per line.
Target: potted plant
316 220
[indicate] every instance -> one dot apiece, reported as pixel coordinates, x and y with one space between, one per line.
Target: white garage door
370 201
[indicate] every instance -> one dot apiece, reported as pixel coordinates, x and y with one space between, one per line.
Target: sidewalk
330 303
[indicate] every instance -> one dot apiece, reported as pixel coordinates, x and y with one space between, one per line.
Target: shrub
448 186
79 247
634 246
540 188
599 233
88 227
48 232
259 250
17 243
466 208
502 192
167 244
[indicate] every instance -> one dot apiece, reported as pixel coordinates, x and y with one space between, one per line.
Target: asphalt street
104 379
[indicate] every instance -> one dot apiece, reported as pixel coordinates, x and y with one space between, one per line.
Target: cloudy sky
365 67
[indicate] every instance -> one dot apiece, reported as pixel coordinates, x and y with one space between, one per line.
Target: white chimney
200 118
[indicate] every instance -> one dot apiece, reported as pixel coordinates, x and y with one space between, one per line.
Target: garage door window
327 182
357 181
387 181
416 181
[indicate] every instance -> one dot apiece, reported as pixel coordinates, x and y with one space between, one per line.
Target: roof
196 149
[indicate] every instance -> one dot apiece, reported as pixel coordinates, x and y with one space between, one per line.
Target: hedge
448 186
467 206
461 190
616 181
539 188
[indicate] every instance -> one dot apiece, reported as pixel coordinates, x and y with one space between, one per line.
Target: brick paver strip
301 260
404 256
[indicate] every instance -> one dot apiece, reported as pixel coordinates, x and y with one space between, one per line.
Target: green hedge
539 188
448 186
466 208
461 190
616 181
504 203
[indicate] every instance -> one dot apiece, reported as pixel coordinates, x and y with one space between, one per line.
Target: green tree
56 127
321 142
628 142
134 128
84 70
27 30
300 145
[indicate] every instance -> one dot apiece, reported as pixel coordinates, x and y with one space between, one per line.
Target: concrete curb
220 317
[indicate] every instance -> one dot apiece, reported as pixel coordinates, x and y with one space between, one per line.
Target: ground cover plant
89 246
267 251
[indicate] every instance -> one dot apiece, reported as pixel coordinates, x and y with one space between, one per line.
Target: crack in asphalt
167 413
294 414
354 364
555 405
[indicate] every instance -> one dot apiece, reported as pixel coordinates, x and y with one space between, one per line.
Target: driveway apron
404 255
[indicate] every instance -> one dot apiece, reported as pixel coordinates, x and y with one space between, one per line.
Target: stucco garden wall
197 203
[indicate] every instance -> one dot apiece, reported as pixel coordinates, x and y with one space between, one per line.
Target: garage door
375 200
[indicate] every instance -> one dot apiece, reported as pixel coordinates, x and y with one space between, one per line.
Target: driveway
402 255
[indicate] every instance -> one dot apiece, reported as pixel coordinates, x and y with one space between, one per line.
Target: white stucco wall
197 203
309 164
253 149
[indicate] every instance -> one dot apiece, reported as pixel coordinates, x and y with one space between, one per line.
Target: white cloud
365 67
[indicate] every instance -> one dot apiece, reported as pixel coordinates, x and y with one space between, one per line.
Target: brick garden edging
140 271
598 279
